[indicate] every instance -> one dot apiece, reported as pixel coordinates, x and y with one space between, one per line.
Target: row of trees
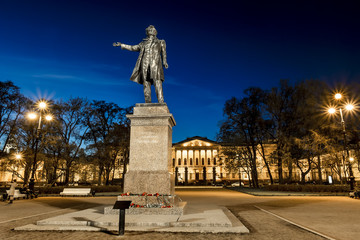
82 132
294 119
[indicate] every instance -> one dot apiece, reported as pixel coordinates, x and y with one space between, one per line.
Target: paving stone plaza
266 217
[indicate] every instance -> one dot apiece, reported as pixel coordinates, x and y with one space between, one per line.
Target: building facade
200 161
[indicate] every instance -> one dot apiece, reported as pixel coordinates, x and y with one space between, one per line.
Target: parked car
237 184
218 184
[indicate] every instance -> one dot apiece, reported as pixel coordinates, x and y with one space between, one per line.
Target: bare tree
12 104
108 136
245 126
69 132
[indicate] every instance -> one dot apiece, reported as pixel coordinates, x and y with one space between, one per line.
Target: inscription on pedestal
148 137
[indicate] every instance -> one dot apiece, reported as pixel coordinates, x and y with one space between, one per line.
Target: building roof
196 138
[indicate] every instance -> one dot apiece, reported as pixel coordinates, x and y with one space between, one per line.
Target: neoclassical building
196 159
200 160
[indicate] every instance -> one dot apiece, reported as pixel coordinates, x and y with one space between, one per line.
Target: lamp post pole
33 170
346 159
346 149
42 105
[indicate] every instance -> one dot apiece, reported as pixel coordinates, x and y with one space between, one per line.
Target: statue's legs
159 90
147 91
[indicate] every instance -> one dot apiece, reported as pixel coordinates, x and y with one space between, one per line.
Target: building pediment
196 142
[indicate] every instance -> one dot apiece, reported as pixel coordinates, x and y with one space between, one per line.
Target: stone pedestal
150 150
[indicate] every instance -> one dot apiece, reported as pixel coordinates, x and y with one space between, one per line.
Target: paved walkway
267 217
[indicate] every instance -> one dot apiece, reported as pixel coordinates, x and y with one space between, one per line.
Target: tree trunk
279 165
303 175
254 168
101 170
26 175
107 176
266 164
319 169
67 175
280 170
290 168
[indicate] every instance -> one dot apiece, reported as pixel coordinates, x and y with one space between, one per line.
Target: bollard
121 205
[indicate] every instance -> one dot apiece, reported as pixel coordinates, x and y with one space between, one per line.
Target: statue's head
150 30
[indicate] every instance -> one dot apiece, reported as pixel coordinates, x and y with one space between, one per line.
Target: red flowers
143 194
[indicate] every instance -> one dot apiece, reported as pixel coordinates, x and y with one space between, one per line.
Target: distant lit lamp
17 156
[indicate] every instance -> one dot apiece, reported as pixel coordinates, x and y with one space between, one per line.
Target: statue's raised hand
117 44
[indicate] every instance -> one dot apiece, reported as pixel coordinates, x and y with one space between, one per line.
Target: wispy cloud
55 76
87 78
173 81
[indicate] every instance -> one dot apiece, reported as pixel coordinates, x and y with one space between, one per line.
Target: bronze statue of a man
149 65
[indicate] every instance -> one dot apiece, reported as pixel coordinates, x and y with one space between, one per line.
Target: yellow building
196 159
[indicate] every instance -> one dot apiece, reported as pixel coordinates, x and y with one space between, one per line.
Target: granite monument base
149 169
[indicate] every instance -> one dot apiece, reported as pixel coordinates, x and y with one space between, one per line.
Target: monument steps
213 221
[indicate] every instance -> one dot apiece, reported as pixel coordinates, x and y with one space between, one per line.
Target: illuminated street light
32 115
349 107
332 110
42 105
49 117
338 96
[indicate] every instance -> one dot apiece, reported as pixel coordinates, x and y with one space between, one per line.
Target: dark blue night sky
216 49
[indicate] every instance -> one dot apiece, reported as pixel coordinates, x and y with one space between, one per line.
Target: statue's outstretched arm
135 48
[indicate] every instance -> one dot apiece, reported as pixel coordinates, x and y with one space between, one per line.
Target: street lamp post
332 110
42 106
